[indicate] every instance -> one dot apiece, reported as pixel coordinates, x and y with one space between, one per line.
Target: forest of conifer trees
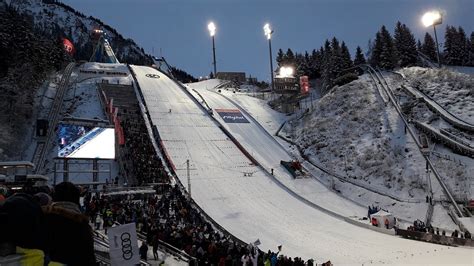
386 51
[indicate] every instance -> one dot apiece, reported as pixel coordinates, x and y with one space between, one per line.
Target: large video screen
76 141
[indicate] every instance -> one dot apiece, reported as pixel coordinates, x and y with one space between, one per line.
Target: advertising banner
232 116
123 245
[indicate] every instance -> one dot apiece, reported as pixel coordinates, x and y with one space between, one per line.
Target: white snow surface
268 152
255 207
271 120
452 90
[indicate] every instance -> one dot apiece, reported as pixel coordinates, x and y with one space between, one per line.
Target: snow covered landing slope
255 207
268 152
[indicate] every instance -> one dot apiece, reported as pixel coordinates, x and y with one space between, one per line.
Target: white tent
383 216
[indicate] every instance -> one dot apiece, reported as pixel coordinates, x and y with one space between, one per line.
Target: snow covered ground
272 120
255 206
452 90
407 210
268 152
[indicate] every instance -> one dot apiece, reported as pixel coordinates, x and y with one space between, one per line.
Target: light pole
212 31
268 32
433 18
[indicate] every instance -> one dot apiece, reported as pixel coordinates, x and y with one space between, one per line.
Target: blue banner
232 116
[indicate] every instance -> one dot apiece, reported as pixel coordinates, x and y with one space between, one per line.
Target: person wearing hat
43 199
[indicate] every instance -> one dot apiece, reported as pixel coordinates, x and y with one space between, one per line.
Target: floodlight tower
212 31
268 32
433 18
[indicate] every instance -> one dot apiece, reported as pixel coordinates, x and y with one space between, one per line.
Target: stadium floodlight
433 18
212 28
286 72
212 31
268 32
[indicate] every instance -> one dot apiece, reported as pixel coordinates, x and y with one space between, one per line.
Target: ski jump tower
102 53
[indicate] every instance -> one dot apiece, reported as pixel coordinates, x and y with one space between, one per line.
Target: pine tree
290 58
370 48
376 50
418 45
429 48
384 51
471 49
326 64
306 67
359 57
463 43
280 58
336 63
346 57
405 45
299 64
316 61
451 47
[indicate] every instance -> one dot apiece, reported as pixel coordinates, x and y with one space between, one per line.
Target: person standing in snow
98 221
155 247
144 251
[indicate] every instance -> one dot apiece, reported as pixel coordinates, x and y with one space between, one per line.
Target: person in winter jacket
144 251
22 232
69 238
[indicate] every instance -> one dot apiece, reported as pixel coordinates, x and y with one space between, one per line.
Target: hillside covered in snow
453 90
352 132
58 19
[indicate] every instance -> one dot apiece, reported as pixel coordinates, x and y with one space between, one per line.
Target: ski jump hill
234 188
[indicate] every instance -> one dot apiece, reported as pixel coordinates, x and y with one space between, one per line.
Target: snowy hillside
353 133
453 90
59 19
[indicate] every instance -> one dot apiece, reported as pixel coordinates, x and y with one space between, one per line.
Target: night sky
177 29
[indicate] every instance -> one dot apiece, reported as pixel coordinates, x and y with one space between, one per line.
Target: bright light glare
286 72
268 31
431 18
212 28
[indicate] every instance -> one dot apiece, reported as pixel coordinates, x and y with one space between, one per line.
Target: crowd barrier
434 238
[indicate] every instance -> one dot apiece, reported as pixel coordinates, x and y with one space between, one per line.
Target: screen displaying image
75 141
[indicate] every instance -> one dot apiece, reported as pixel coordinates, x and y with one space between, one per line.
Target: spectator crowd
140 161
171 218
56 228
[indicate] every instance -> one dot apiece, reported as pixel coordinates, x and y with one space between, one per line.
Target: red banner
304 85
68 46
